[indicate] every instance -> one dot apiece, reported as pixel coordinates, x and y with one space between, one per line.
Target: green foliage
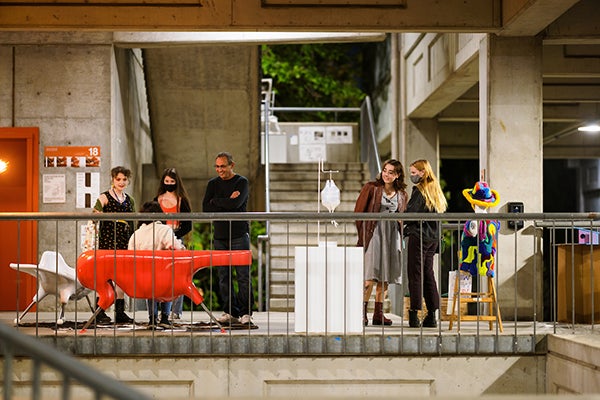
315 75
206 278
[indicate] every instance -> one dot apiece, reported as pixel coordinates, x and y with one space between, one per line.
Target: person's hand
235 194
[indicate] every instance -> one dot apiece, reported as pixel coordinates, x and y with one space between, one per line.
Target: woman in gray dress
381 239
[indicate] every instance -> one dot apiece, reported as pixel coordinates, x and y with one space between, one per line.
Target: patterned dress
382 258
115 234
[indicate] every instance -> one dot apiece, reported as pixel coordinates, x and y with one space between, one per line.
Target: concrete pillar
421 141
510 150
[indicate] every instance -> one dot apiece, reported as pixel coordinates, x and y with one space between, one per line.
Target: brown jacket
369 200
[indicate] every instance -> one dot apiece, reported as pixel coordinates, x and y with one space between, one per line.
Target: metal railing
369 152
536 294
15 344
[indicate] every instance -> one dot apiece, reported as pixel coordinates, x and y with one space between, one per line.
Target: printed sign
71 156
54 186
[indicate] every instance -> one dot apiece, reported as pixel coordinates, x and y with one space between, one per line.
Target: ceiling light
3 166
589 128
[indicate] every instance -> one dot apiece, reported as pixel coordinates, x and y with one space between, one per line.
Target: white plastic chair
55 277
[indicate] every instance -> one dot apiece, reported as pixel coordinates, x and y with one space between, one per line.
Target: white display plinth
329 289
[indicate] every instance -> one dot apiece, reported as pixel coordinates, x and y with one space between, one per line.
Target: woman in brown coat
381 239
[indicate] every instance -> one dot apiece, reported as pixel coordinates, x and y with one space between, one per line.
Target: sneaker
247 320
175 316
164 321
226 319
102 318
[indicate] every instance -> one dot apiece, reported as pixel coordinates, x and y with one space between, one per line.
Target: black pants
421 280
240 303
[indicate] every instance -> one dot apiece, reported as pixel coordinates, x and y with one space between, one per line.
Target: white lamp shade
330 195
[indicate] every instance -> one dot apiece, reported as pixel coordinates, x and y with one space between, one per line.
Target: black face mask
171 188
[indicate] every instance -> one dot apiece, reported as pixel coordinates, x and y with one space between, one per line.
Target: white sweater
164 238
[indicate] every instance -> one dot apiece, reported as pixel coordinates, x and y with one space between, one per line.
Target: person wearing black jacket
228 192
423 239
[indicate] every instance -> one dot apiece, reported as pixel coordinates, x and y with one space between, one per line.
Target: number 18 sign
71 156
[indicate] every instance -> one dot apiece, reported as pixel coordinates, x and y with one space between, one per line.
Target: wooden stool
488 297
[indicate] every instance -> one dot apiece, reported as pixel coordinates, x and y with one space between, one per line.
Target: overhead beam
579 25
530 17
253 15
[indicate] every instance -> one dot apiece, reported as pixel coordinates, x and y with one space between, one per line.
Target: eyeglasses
218 166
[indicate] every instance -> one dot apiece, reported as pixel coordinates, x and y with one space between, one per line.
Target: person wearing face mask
380 239
173 198
423 239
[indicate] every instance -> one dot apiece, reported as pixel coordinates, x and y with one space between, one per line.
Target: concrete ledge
287 345
573 364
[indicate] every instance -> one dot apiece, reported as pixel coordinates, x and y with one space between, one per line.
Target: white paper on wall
55 188
88 189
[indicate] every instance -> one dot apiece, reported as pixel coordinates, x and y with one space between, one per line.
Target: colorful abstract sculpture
479 240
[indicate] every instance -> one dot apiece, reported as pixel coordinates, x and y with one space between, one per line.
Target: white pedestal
328 290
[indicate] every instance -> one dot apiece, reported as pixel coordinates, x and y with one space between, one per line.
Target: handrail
579 218
261 239
368 144
69 367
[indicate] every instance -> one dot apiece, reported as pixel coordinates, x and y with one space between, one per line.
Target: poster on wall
88 189
312 144
71 156
55 188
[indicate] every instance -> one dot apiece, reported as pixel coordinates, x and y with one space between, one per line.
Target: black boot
121 317
365 319
430 321
102 318
413 319
378 317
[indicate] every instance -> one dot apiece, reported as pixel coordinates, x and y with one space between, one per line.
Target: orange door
18 193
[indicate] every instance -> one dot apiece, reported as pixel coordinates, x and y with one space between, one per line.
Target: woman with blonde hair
423 239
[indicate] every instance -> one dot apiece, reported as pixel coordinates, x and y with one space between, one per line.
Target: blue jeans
165 309
178 305
240 303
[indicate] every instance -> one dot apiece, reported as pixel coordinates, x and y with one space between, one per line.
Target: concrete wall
79 91
573 364
342 377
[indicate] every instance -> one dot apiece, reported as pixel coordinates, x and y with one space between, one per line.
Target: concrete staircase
294 189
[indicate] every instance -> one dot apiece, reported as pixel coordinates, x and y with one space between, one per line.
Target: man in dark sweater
228 192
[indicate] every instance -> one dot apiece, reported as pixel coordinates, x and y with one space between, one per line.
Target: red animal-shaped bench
162 275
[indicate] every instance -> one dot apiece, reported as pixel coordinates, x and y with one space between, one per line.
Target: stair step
342 176
280 252
305 185
294 240
303 206
312 227
282 290
282 276
314 167
284 195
